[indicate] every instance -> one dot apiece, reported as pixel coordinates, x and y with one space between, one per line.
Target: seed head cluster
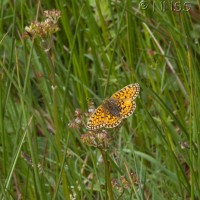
44 28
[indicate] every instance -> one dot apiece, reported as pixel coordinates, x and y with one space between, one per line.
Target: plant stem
107 174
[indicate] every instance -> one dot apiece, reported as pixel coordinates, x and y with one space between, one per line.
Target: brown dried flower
96 139
45 28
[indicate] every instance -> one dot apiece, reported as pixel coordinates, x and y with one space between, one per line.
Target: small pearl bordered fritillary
113 110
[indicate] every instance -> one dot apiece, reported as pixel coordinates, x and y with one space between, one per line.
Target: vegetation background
102 45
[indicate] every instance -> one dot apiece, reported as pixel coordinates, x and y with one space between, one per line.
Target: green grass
101 47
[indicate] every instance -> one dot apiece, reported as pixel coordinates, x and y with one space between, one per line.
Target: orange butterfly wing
127 108
101 118
126 98
123 101
128 92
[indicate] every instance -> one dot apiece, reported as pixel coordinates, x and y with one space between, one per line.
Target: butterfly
113 110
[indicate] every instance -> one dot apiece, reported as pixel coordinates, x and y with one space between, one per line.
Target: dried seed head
96 139
124 182
45 28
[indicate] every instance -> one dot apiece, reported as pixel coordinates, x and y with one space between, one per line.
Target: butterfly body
119 106
112 107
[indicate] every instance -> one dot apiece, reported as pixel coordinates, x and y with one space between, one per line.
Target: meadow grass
101 47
